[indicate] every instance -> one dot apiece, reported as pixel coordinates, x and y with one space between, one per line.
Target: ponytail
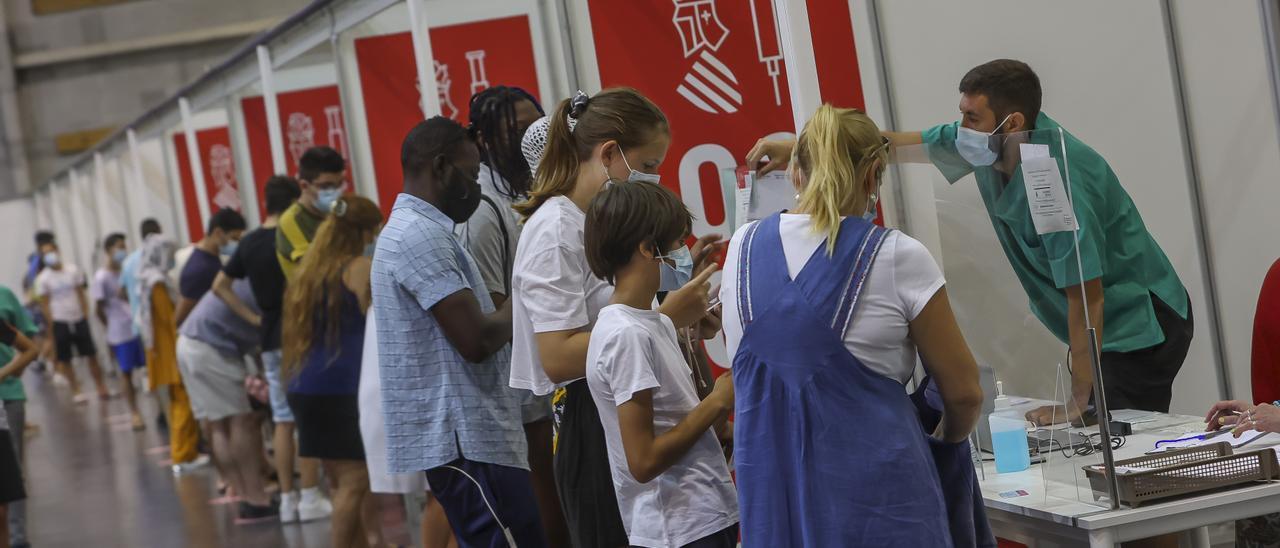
835 152
618 114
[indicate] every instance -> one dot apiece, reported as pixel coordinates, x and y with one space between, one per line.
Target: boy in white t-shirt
61 288
669 471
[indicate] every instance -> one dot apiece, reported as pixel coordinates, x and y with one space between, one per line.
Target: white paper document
1047 197
1031 151
758 197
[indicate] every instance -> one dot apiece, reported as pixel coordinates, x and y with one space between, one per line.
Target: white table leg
1102 538
1197 538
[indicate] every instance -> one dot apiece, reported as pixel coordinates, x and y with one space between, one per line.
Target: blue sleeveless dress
828 453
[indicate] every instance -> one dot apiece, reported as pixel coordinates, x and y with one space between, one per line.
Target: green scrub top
1114 243
12 311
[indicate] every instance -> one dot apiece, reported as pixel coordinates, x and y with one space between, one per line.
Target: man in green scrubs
1135 299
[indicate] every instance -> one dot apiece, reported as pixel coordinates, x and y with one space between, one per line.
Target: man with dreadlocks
500 116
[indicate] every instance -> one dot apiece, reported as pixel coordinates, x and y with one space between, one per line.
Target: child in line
669 472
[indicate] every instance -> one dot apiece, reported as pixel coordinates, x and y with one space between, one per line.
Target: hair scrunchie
578 104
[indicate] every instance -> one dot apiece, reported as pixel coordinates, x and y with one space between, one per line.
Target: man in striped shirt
321 174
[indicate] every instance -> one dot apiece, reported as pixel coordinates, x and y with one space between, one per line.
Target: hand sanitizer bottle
1008 436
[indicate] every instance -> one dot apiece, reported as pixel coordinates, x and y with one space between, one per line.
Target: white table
1061 519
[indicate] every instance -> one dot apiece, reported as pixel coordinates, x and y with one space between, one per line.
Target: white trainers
313 505
288 507
185 468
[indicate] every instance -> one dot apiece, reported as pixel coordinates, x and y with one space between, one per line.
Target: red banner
716 69
469 57
219 169
308 117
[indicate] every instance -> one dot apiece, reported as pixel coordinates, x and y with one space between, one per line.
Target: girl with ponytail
824 313
618 136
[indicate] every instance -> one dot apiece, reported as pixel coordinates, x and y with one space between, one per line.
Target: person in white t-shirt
112 310
669 470
61 288
619 136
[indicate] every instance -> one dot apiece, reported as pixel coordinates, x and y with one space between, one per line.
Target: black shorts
1143 379
11 489
328 426
583 475
73 337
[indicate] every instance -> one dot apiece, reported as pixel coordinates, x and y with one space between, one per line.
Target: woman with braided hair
500 116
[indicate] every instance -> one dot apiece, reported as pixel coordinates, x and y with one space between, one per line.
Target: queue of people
512 339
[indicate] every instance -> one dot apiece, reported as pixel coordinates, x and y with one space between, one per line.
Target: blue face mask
637 176
674 277
228 249
975 146
369 248
325 198
119 256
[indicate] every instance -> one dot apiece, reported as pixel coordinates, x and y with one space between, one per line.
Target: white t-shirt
552 288
632 350
106 286
61 286
491 236
903 278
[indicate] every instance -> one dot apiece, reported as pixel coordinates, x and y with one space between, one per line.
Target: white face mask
975 146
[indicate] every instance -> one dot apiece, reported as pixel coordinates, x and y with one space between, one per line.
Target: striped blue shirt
437 406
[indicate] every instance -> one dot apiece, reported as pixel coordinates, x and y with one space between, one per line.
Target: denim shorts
280 411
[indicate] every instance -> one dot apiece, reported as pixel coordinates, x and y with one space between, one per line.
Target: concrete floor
92 481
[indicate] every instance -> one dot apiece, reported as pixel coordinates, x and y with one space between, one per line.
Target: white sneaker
313 506
288 507
185 468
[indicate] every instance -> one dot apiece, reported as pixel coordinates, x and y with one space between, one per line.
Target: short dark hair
149 227
625 215
43 237
111 240
1010 86
280 192
227 219
318 160
428 139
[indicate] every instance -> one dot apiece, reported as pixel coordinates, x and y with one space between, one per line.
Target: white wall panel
1236 146
20 218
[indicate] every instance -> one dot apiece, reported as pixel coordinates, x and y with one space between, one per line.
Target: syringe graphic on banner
337 137
767 43
443 83
301 134
479 78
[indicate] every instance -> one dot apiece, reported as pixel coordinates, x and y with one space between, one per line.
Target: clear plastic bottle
1008 436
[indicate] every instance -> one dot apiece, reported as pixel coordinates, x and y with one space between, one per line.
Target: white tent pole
797 52
193 157
419 25
267 75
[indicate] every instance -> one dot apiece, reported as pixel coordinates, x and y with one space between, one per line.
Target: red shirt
1266 339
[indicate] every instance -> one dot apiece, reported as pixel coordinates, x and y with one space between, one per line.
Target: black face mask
461 196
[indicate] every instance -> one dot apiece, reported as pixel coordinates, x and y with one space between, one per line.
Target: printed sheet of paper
1047 197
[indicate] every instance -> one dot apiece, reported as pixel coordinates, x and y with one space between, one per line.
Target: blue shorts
130 355
280 411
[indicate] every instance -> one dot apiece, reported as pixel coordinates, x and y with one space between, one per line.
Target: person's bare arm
100 310
649 455
356 278
83 297
185 306
497 298
48 316
947 357
27 352
474 334
1081 363
222 288
563 354
903 138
